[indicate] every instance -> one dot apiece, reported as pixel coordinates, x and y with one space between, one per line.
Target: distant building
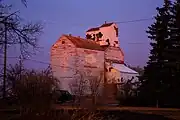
99 53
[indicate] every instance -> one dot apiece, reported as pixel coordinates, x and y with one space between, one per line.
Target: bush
34 91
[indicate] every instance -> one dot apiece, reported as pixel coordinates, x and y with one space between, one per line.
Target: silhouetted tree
172 53
34 91
128 91
155 73
86 87
15 32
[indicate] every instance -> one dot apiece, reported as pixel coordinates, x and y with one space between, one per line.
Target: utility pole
5 59
20 60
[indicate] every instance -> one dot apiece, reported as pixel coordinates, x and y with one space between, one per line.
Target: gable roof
84 43
97 28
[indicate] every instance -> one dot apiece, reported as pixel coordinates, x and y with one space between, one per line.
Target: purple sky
76 16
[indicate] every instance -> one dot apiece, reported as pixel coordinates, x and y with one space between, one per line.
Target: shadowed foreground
98 115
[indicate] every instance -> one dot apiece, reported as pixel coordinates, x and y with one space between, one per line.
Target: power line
137 43
118 22
47 63
42 62
137 20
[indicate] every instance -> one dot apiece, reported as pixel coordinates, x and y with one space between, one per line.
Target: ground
108 113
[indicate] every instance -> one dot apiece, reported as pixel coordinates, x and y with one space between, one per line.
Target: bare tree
24 2
13 74
87 88
15 32
78 87
34 91
129 86
96 86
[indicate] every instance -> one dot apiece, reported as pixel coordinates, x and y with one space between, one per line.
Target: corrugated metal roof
123 68
84 43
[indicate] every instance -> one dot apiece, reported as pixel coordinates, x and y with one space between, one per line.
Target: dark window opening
116 42
116 29
99 35
88 36
63 42
108 42
94 36
122 80
110 69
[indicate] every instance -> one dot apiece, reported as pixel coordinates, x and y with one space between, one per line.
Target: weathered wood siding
113 53
63 61
69 65
89 71
92 69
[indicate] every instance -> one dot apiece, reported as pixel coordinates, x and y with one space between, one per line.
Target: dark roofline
93 29
97 28
106 24
84 43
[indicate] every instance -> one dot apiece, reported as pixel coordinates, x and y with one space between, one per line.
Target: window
94 36
122 80
116 29
110 69
99 35
116 42
88 36
63 42
108 42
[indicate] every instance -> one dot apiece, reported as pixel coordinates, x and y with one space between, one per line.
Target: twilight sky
76 16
